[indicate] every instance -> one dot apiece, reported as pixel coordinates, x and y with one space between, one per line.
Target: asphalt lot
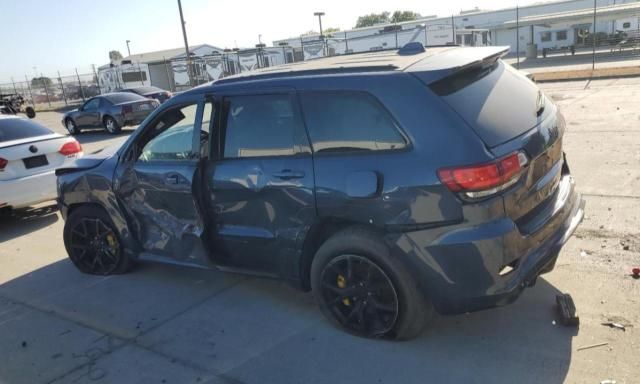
162 324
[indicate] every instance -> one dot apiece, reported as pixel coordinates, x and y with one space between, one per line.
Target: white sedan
29 156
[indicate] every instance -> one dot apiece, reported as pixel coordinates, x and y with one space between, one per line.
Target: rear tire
31 113
111 125
71 126
93 244
373 304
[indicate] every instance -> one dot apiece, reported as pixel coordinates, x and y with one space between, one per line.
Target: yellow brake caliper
342 284
111 240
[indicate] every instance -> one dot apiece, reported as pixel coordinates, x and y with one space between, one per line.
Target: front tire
71 126
111 125
93 244
365 291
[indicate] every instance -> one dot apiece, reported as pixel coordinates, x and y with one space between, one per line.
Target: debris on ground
635 272
611 324
583 254
592 346
567 310
608 381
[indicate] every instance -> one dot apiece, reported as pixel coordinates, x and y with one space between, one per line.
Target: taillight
70 148
478 181
127 109
3 163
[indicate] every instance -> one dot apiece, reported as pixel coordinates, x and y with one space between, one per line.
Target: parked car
150 92
29 155
391 184
111 111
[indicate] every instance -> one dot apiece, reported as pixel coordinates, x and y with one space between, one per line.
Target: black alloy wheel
360 295
94 247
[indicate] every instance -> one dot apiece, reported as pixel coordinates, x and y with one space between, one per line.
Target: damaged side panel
160 205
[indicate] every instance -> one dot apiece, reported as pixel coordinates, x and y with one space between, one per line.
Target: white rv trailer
114 77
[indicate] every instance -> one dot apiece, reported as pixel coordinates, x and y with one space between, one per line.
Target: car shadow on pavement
255 330
26 220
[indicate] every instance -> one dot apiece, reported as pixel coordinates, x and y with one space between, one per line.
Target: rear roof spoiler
452 61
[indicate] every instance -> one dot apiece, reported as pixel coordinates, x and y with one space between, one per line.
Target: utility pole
453 30
186 44
128 50
518 37
593 54
320 14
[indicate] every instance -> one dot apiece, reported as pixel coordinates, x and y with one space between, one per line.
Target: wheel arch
318 233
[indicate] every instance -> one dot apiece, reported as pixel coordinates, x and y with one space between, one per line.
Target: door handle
287 174
171 179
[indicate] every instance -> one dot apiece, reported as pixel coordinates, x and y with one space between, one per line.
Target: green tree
400 16
115 55
328 32
40 82
372 19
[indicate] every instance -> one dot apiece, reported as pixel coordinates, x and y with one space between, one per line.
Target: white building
548 25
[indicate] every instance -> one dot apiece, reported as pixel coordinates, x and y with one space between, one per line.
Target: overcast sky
65 34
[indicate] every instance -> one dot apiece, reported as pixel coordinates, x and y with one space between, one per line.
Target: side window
171 138
259 125
91 105
205 130
349 121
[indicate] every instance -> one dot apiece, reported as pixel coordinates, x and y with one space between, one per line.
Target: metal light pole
320 14
284 45
128 50
593 54
453 31
518 37
186 44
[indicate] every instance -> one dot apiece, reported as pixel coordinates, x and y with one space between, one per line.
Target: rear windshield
145 90
498 102
18 128
117 98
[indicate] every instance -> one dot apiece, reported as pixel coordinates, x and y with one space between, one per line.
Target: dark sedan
111 111
150 93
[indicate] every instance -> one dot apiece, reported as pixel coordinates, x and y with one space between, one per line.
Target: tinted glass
205 134
172 136
117 98
348 121
130 77
17 128
91 105
260 125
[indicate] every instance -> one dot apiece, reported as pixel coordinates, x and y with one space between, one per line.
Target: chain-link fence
53 92
603 38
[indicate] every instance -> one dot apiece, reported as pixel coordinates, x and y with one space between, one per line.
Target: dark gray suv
391 184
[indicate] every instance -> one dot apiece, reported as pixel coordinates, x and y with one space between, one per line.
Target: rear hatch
510 114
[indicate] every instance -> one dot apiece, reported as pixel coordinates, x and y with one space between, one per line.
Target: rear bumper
460 271
30 190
